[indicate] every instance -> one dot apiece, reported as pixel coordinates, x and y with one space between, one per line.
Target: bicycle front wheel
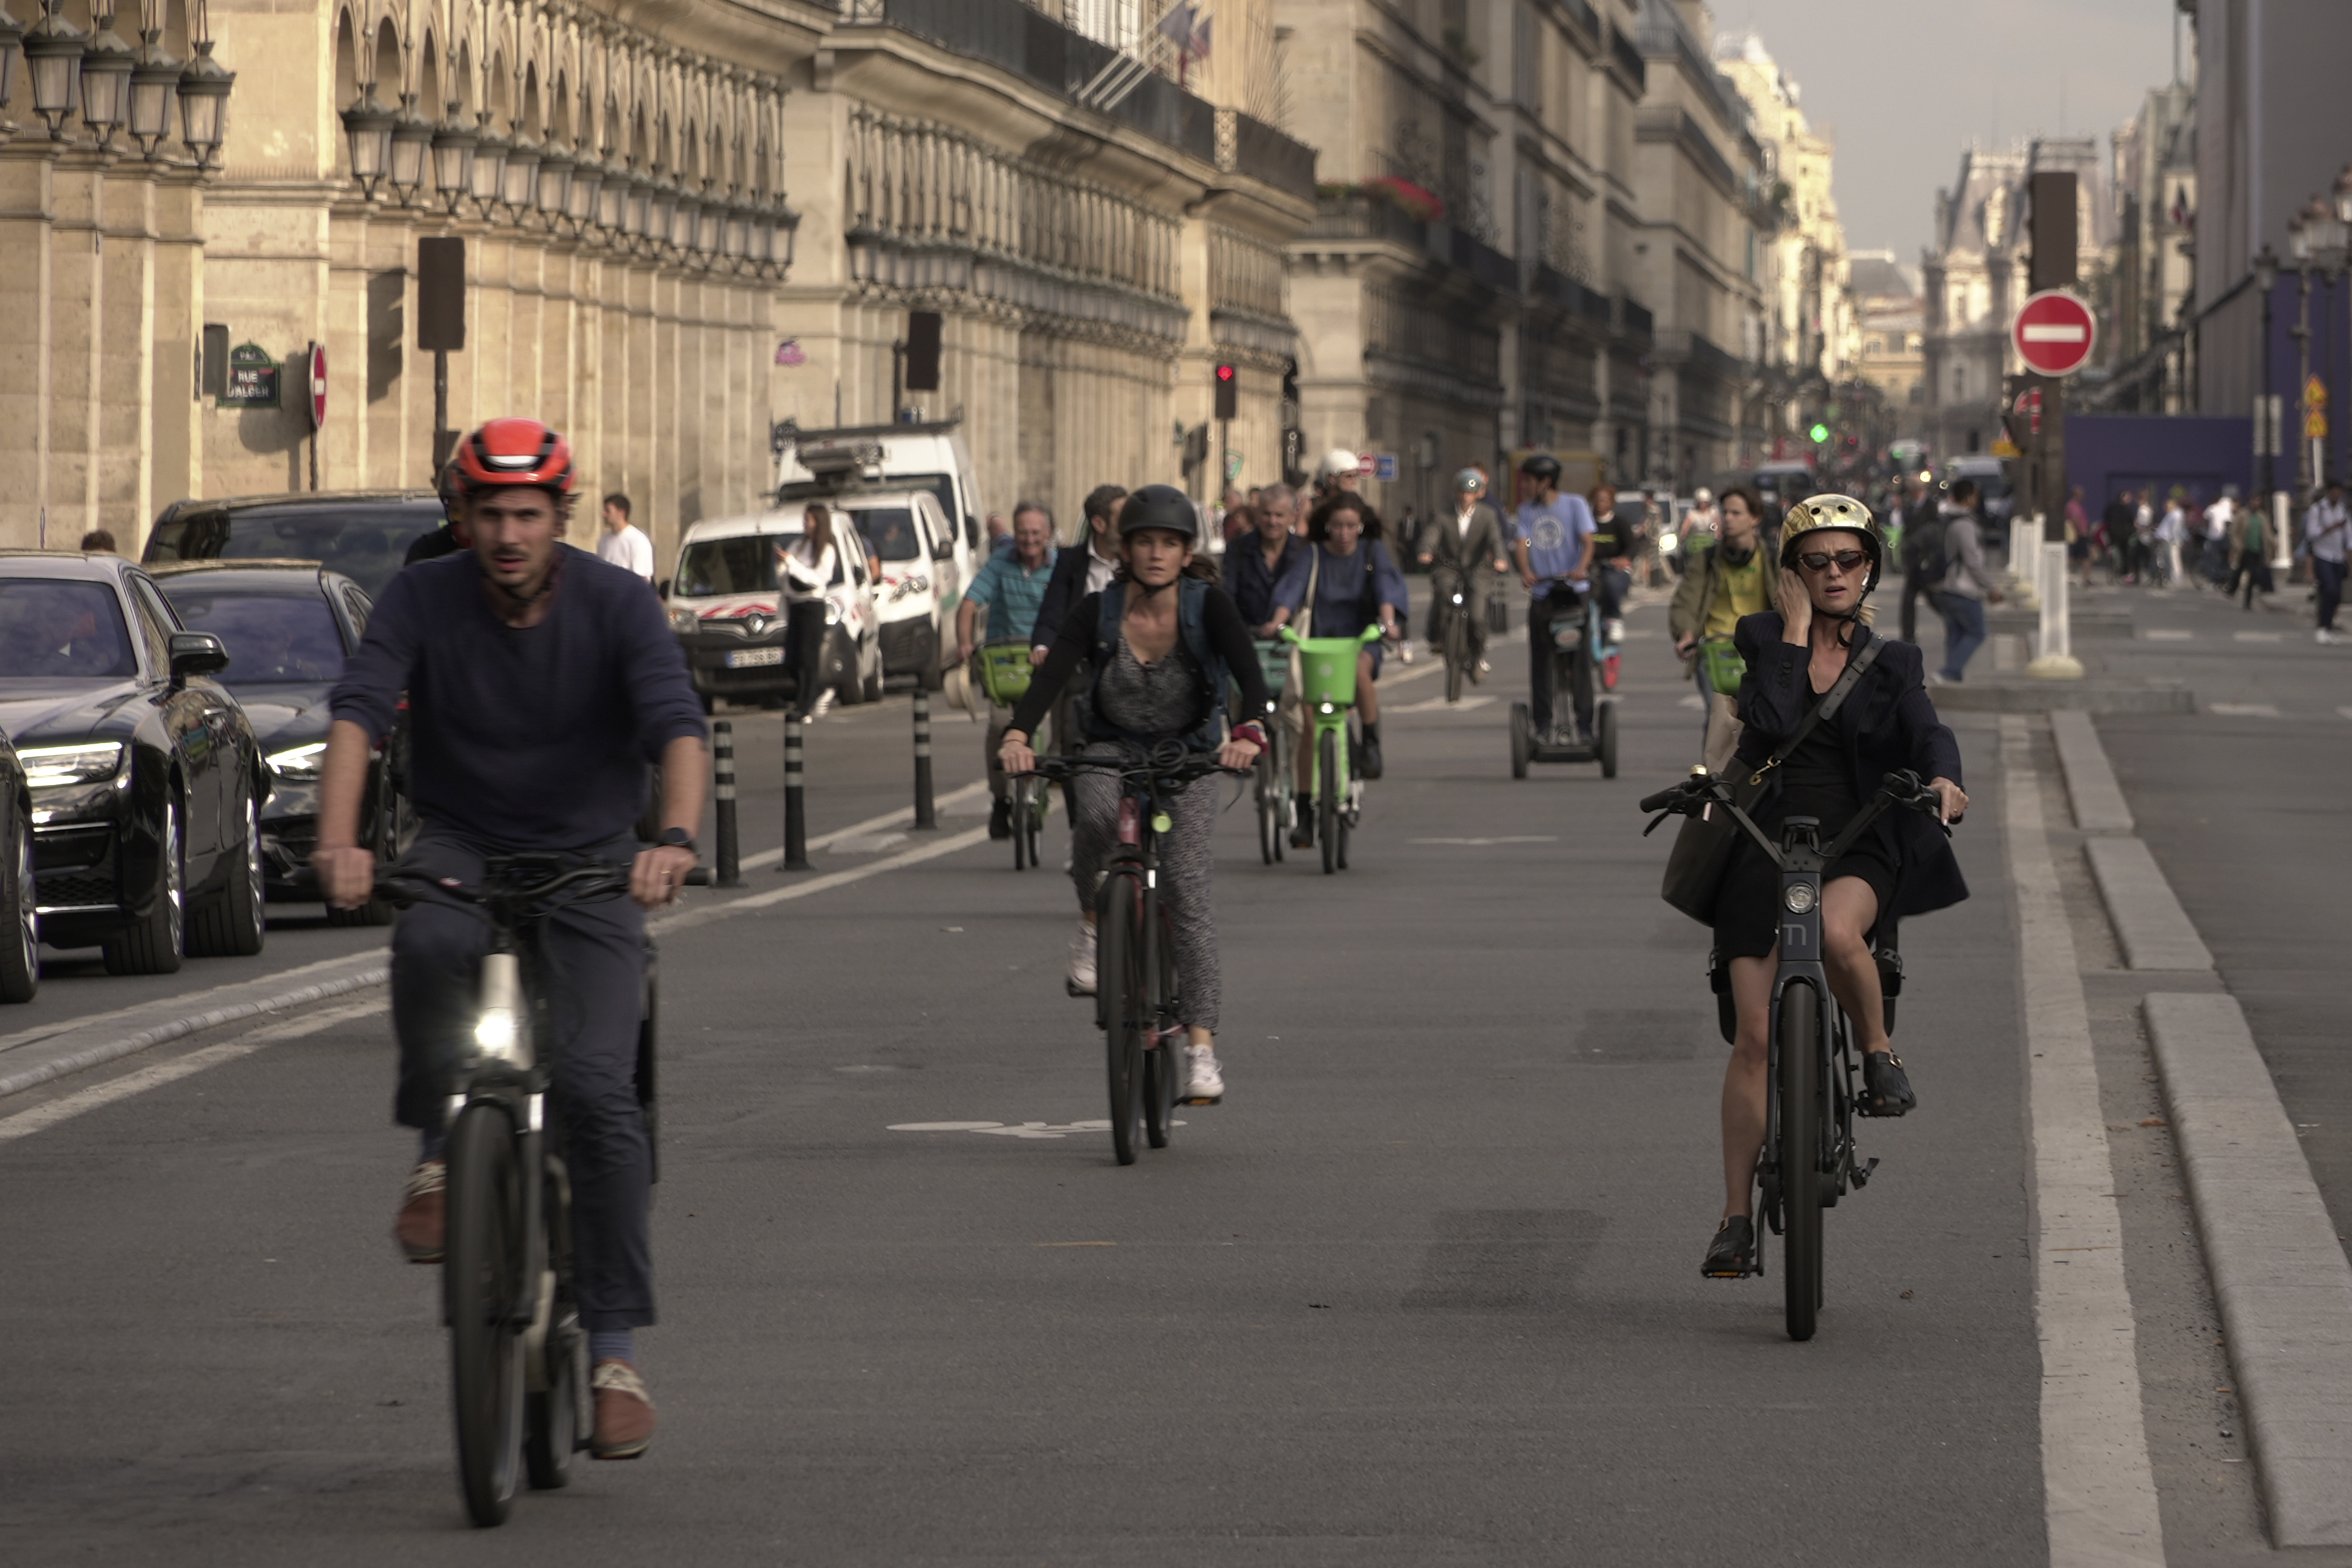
1800 1157
1268 806
1163 1072
1457 651
1119 983
481 1283
1326 798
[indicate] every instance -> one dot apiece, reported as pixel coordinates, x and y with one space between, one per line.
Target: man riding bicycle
1459 551
1010 586
1551 542
540 682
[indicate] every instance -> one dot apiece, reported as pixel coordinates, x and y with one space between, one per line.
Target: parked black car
147 785
20 942
288 626
363 534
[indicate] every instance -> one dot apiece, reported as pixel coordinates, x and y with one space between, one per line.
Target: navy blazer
1063 589
1885 725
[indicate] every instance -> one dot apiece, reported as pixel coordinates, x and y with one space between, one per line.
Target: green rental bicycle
1328 675
1003 669
1272 770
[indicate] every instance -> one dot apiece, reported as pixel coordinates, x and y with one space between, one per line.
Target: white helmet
1703 496
1338 463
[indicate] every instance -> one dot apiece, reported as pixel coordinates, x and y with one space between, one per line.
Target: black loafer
1885 1087
1367 759
1732 1254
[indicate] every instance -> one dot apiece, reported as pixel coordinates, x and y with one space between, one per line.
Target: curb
2278 1266
2091 788
71 1058
2154 931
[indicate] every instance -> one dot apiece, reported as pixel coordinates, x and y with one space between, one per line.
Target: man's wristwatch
678 838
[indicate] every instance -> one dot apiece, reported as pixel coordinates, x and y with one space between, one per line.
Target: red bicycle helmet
513 452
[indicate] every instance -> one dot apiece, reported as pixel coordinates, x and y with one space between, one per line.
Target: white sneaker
1082 960
823 703
2324 635
1204 1084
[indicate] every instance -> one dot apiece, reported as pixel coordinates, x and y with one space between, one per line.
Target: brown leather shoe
624 1413
423 1213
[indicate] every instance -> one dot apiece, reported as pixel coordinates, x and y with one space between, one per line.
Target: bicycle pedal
1862 1172
1202 1099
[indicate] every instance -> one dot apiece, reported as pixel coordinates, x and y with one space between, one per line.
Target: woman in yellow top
1721 585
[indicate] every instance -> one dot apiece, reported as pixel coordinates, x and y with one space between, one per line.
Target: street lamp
367 129
520 192
587 176
555 171
53 56
454 146
155 81
661 209
412 139
106 67
489 166
12 44
688 233
203 105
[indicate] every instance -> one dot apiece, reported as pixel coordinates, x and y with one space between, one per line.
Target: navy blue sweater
523 738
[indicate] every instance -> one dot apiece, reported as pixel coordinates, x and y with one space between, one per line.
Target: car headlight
684 620
909 585
46 766
299 762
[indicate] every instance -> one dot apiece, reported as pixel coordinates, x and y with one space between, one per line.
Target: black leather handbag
1702 851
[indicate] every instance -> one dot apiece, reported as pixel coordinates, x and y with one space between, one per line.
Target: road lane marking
701 915
840 838
186 1000
2161 634
2259 637
2098 1492
1515 838
1436 705
1015 1130
2243 710
66 1107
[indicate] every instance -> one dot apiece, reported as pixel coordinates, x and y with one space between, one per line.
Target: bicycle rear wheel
1163 1063
1457 651
1268 829
1326 798
1031 823
481 1281
1020 812
1800 1157
1119 981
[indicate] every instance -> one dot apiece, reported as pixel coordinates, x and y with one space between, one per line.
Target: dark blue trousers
596 954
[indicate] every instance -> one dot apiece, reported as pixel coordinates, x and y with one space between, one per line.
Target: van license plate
751 657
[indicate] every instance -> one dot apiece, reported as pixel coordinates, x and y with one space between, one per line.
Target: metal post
2054 658
795 807
925 817
722 793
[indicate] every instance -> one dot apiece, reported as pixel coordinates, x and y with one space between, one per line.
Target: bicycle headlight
300 763
45 766
1798 898
1327 708
498 1030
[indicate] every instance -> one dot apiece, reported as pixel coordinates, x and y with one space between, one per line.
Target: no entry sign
2054 332
317 386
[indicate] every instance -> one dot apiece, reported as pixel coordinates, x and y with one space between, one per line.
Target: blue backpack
1192 598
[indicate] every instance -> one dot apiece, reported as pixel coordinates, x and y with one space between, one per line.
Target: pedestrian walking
2171 533
1923 556
624 543
2252 566
2323 532
2213 564
2078 535
1968 585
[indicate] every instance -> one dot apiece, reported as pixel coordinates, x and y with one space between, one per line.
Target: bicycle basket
1327 666
1725 669
1274 662
1003 672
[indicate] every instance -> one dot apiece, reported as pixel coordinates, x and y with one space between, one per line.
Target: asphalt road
1423 1290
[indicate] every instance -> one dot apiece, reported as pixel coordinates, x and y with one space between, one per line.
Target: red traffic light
1228 393
1225 372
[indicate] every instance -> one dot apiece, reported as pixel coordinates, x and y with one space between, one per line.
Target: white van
919 573
728 614
933 455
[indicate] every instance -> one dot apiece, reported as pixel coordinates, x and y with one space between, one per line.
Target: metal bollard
925 817
722 795
795 806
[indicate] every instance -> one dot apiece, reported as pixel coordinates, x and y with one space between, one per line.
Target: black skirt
1748 910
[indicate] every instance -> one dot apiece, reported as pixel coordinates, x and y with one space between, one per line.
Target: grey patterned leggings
1185 860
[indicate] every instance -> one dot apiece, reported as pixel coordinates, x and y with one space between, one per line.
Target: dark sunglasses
1819 561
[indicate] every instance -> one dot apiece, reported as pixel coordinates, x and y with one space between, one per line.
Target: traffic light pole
2053 267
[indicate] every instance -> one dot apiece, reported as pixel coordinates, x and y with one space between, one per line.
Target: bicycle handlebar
1370 634
1155 764
1702 789
575 886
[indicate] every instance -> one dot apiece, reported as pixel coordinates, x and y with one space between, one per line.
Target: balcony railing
1265 154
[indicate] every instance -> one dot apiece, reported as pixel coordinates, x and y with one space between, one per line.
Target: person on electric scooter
1551 542
1830 558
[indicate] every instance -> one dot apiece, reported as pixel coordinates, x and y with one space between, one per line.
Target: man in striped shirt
1011 587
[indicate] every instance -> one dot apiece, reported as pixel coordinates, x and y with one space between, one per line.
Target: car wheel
233 923
156 943
20 953
841 669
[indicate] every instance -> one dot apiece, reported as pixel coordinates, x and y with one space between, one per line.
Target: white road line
2165 633
1436 705
188 1001
901 817
2243 710
66 1107
2099 1495
2347 712
2259 637
701 914
1515 838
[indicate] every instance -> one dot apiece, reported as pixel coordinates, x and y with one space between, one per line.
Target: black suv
363 534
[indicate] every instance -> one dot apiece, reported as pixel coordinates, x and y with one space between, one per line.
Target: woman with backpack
1163 644
1341 585
1722 584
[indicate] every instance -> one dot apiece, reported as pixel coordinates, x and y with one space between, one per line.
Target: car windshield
743 564
272 638
56 629
889 532
364 540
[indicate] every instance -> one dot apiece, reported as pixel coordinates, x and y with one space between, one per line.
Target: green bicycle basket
1328 664
1725 667
1274 662
1005 671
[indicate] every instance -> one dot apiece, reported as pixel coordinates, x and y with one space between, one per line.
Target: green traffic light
1820 433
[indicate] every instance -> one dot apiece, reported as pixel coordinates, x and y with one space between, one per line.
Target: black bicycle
1809 1159
517 1353
1453 614
1136 1002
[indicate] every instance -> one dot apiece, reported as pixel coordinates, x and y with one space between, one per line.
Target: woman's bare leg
1743 1079
1849 909
1367 696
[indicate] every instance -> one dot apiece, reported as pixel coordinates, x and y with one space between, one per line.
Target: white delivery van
933 455
730 615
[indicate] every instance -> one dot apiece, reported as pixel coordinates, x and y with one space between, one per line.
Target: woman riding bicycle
1344 583
1829 562
1162 644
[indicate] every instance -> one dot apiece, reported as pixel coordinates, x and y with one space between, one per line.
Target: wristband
1251 731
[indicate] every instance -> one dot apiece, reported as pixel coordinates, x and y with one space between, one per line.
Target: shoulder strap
1306 620
1857 664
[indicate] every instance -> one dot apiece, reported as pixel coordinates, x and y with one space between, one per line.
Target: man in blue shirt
1010 585
540 682
1552 539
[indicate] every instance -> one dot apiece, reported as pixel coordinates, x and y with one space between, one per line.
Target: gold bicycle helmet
1826 513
